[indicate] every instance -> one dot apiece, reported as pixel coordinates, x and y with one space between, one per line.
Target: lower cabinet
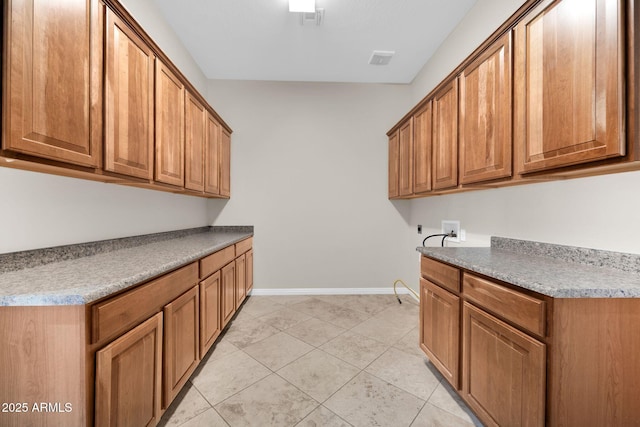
241 279
129 377
249 283
181 342
503 371
228 300
210 326
440 329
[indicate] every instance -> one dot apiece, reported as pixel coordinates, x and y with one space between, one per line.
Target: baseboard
328 291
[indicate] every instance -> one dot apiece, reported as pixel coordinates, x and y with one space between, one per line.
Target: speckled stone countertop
98 269
554 270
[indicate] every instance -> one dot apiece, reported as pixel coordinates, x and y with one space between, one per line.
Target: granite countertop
77 278
553 270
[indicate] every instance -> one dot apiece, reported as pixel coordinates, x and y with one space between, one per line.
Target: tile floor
347 360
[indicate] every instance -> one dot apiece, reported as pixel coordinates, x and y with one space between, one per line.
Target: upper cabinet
129 101
52 72
445 136
170 129
405 159
87 93
194 140
394 156
569 84
485 115
422 137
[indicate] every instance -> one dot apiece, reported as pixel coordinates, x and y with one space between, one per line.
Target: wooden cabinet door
405 161
440 329
129 101
181 342
241 279
53 79
569 79
503 371
394 165
227 299
129 376
209 311
194 143
445 137
485 115
169 166
422 136
249 271
225 163
212 156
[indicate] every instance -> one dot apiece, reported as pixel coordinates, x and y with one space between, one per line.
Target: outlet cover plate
450 225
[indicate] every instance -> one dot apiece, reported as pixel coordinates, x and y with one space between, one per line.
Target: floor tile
187 404
332 313
269 402
322 417
284 318
410 343
244 333
368 304
209 418
277 350
221 349
432 416
315 331
406 371
290 299
318 374
387 326
257 306
368 401
224 377
355 349
445 398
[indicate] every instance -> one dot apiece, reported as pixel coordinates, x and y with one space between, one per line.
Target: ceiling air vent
381 57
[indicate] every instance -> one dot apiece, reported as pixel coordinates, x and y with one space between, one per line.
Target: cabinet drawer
441 274
216 261
525 311
244 246
119 314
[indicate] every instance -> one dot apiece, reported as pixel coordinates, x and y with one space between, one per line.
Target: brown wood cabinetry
52 72
212 156
569 74
194 142
170 129
422 136
405 159
181 342
129 377
129 101
88 94
225 163
440 329
527 359
241 279
210 326
249 271
485 115
394 165
445 136
503 371
227 294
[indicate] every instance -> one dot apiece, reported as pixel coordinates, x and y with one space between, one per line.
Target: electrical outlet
449 226
419 229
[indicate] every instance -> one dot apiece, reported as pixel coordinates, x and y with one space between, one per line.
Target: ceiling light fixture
308 6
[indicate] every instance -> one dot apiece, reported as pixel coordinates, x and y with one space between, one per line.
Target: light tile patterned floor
323 361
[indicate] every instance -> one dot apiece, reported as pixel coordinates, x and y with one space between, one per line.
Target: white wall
308 170
596 212
39 210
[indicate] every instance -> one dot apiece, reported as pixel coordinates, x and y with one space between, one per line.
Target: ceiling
262 40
